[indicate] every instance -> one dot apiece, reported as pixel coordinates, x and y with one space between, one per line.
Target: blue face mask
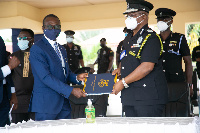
52 34
23 44
126 34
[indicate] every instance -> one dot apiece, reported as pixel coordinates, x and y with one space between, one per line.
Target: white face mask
131 23
23 44
69 39
163 26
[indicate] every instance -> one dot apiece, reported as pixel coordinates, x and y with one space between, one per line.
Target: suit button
122 67
163 60
70 64
176 73
163 70
70 54
70 59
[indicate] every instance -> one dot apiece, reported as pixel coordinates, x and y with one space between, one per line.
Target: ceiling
63 3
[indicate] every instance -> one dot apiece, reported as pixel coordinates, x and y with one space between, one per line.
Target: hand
13 62
77 92
117 71
82 76
117 87
14 101
198 59
191 91
107 71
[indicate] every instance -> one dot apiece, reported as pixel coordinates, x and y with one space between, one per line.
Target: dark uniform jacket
145 46
74 55
196 54
103 59
23 80
119 49
175 47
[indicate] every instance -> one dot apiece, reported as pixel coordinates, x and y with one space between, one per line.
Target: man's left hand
14 101
118 87
82 76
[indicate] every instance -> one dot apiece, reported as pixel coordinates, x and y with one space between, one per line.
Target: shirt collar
50 41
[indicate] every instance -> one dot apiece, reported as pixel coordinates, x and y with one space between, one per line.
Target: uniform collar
170 35
141 31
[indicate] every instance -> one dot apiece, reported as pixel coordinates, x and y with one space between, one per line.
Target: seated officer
175 48
74 53
196 57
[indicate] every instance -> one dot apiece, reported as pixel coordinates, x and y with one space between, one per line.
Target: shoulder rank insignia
139 40
149 30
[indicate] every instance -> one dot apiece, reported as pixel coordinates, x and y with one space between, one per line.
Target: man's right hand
77 92
13 62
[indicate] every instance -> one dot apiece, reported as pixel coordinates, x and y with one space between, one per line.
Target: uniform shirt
175 47
119 49
23 81
103 59
196 54
74 55
152 89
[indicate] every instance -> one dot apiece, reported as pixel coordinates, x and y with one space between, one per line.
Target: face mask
163 26
102 45
52 34
126 34
69 39
131 23
23 44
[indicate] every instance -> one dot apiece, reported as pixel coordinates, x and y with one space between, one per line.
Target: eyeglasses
23 38
50 27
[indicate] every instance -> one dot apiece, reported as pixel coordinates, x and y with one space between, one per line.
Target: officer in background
196 57
143 87
105 58
119 48
74 53
175 48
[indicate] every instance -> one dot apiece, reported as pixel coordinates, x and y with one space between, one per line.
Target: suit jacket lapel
52 51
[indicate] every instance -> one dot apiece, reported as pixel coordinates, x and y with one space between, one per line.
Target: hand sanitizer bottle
90 112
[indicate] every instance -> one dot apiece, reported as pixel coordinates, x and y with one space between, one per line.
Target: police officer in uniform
74 53
119 48
143 87
196 57
175 48
105 58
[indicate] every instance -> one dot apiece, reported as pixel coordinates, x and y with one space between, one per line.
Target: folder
98 84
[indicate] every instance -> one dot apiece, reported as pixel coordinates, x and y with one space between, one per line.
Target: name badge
123 54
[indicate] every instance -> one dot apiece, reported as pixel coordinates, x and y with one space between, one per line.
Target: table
109 125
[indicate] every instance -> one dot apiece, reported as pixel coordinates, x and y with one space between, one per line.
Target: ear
172 21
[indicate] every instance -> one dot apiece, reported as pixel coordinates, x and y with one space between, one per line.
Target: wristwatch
124 83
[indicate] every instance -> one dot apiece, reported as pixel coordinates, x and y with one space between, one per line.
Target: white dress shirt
6 71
